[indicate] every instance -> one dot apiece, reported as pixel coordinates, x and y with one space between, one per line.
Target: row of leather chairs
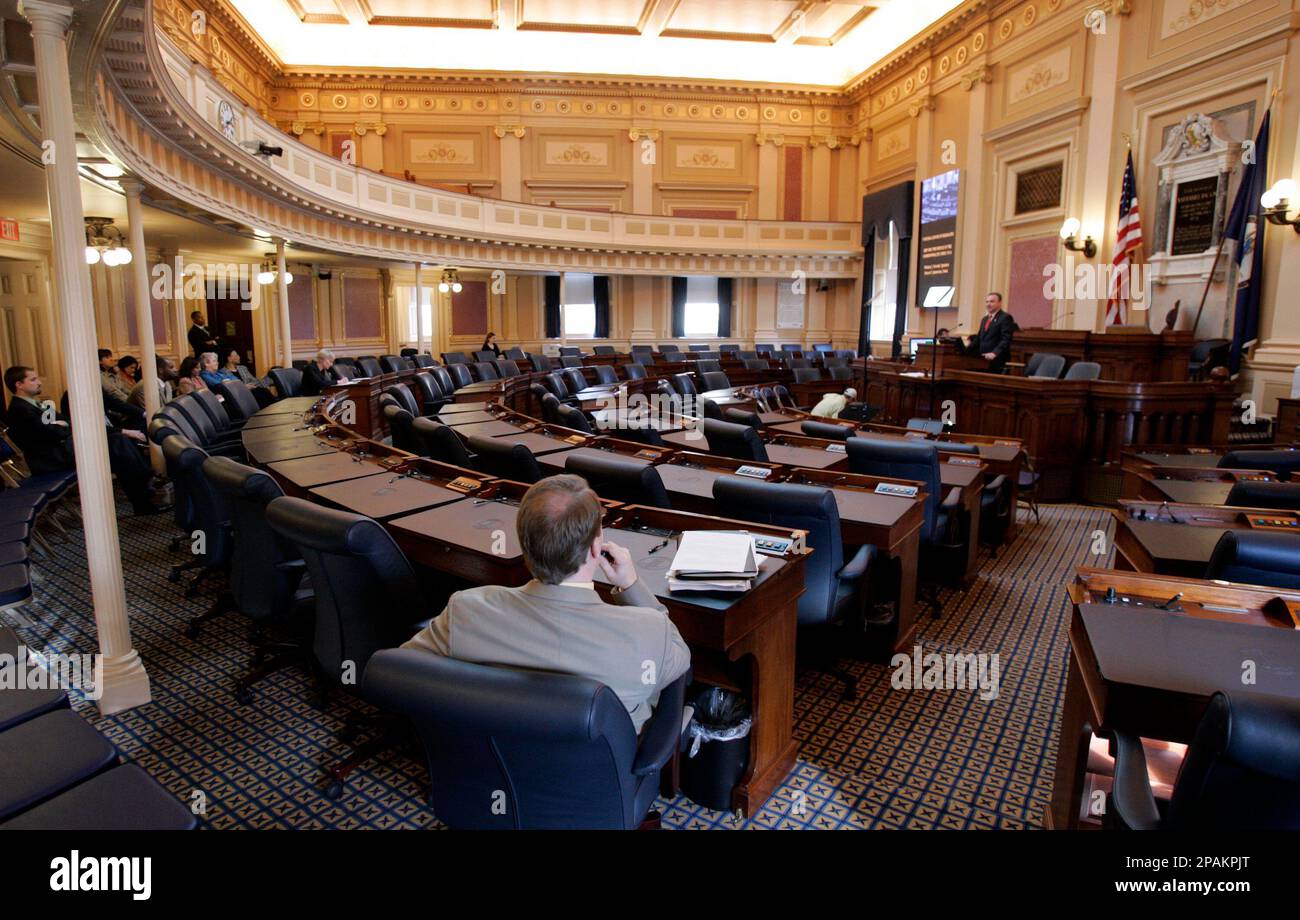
58 773
1046 365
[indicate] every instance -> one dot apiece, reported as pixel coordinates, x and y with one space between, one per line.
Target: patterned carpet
895 758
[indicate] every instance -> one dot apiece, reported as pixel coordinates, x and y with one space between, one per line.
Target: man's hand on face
620 571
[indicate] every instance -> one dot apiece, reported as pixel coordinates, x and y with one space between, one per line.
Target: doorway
232 325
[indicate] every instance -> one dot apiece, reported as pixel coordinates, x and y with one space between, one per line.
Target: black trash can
718 750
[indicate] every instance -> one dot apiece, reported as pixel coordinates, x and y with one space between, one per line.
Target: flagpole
1224 239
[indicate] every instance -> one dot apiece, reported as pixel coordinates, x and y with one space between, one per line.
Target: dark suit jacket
314 380
48 448
994 336
202 340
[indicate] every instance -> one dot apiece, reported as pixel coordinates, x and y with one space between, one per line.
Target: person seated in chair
209 370
832 404
320 374
112 382
191 377
490 344
557 622
233 370
45 439
166 381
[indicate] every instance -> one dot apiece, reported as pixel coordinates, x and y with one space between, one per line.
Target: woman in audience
190 379
320 374
233 370
490 344
209 371
128 368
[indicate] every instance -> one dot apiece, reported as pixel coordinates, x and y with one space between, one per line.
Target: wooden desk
813 458
947 356
1188 485
970 480
1151 672
304 473
385 495
460 419
456 408
490 429
288 447
1178 539
280 420
1124 353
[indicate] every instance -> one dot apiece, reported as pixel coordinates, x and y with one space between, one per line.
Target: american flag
1128 239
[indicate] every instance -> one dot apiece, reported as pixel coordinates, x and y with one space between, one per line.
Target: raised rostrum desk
1151 672
1176 539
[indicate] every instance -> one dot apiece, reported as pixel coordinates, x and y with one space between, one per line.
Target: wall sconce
1277 202
450 281
268 274
105 243
1070 236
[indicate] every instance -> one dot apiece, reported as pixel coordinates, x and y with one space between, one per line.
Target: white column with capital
769 174
122 682
143 311
419 310
512 158
282 295
645 154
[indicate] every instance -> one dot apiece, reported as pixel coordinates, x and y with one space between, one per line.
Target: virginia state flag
1246 226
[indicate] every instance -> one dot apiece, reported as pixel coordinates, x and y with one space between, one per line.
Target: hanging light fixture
269 272
450 281
105 243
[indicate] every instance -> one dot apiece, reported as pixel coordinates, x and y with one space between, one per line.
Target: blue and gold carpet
894 758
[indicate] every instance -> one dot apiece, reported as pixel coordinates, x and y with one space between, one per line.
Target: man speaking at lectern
993 343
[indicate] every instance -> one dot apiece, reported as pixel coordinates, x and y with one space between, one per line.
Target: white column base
123 684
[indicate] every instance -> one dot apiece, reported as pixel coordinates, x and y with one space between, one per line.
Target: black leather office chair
485 370
567 361
239 402
995 499
841 373
740 442
714 380
439 442
575 378
634 371
764 349
943 544
506 367
709 409
603 350
1083 370
540 362
432 398
405 398
833 590
1285 463
560 749
830 360
399 423
641 434
1256 558
572 417
1283 496
807 374
1241 772
685 384
498 457
425 361
668 349
606 374
200 421
370 366
765 398
391 364
570 351
796 364
210 541
550 407
1207 354
748 356
643 349
221 419
445 383
708 365
558 386
363 585
826 430
756 364
287 380
486 355
1044 364
454 357
620 479
266 572
742 417
460 375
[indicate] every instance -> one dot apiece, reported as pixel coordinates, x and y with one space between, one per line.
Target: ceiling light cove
800 42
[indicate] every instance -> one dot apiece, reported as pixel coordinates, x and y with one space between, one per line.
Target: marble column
122 680
282 295
143 311
419 309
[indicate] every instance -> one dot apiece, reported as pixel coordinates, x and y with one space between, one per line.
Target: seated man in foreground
557 622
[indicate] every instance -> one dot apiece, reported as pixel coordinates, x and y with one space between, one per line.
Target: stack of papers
713 560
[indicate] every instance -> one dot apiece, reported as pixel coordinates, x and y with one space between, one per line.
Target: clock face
226 117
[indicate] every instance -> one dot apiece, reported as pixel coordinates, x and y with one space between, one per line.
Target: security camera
262 149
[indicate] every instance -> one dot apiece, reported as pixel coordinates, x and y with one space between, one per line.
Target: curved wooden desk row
1075 430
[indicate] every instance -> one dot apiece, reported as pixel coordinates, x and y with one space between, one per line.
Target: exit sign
8 229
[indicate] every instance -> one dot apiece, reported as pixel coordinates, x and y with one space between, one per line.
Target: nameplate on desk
757 472
391 463
647 454
964 461
576 439
1007 443
773 546
464 484
837 448
1199 450
894 488
916 434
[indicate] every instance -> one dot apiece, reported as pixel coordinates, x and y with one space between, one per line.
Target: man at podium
993 342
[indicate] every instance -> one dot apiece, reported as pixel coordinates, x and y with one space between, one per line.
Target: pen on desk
655 549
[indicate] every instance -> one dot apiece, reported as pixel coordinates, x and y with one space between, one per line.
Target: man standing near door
201 339
993 343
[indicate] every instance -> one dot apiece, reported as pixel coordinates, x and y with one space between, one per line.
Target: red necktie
984 326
